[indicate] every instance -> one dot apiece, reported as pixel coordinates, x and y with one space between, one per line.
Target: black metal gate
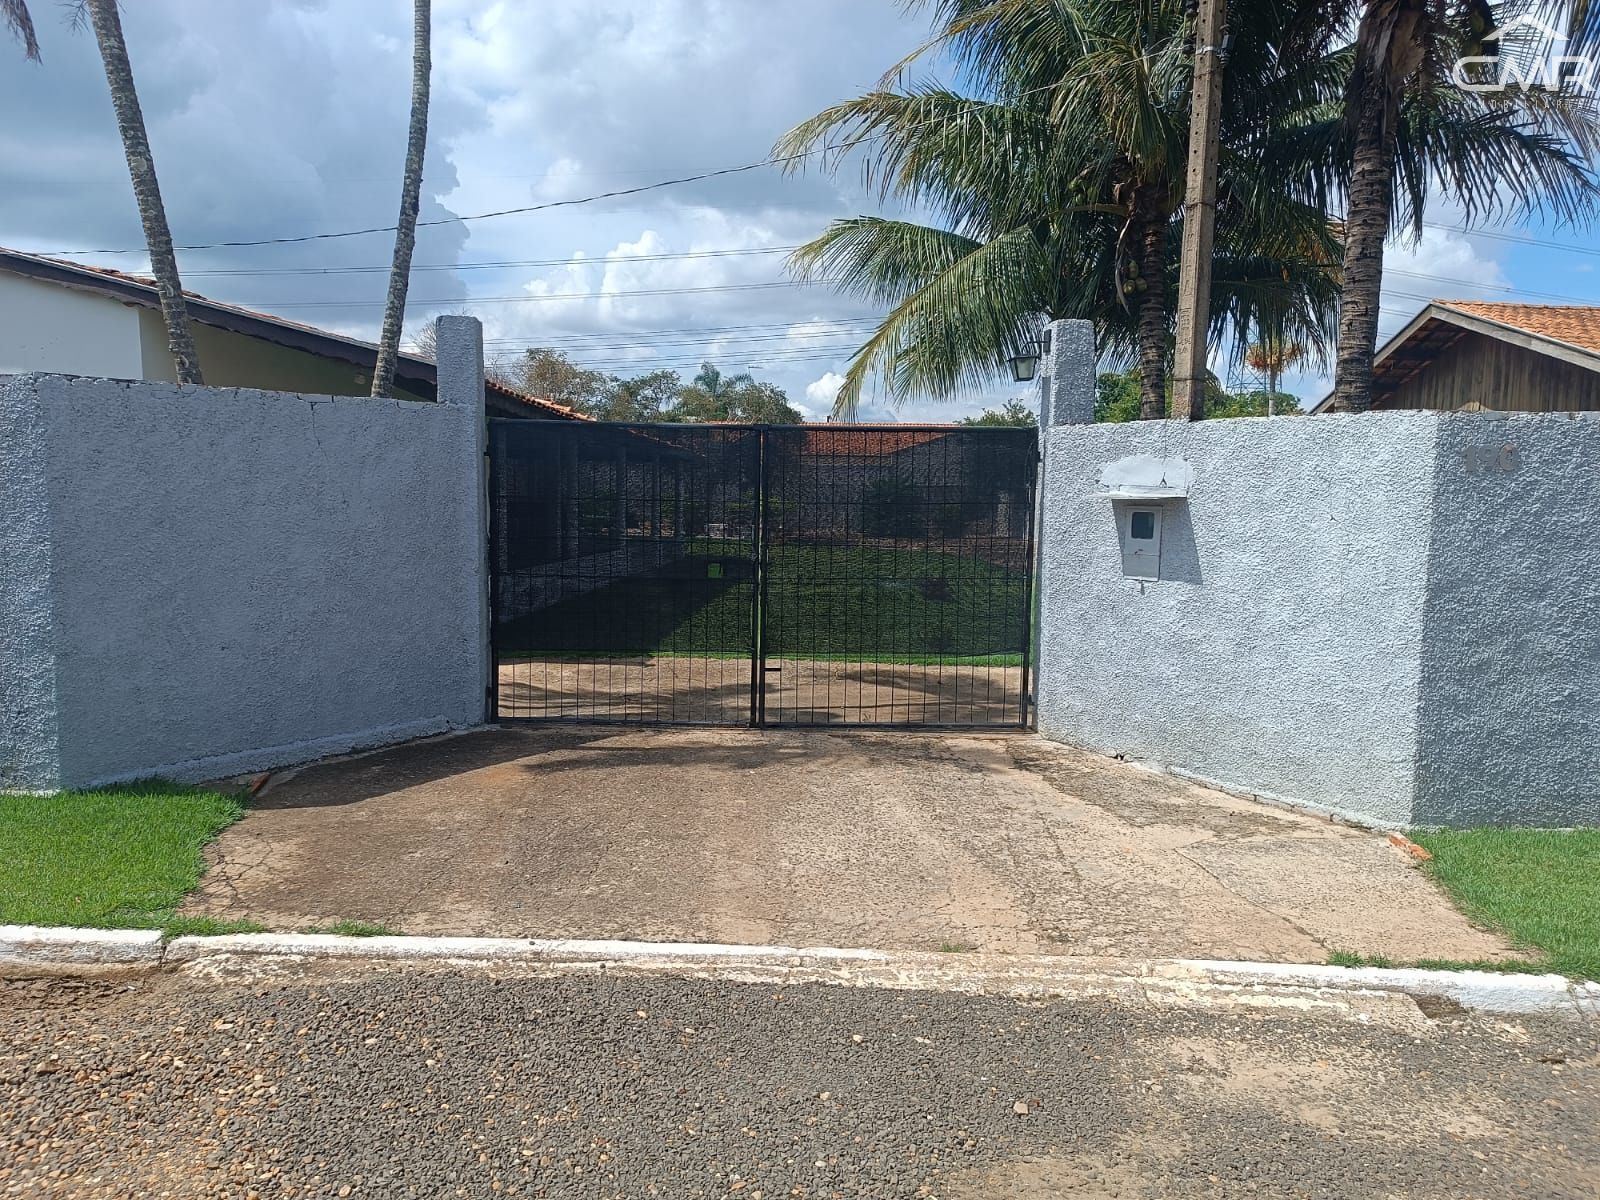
762 575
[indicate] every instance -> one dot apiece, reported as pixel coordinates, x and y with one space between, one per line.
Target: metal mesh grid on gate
808 575
897 589
623 570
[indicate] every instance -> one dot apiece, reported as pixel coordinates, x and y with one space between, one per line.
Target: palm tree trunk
146 191
1152 232
405 234
1389 50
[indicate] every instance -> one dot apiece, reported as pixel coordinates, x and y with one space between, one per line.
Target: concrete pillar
1067 375
458 350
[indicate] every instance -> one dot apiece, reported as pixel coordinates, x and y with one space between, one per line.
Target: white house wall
46 327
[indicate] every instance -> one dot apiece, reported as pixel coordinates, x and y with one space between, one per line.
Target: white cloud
820 394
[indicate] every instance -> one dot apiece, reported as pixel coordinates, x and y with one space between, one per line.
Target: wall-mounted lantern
1025 363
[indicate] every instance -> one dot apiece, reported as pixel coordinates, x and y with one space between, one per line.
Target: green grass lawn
1542 887
122 858
884 604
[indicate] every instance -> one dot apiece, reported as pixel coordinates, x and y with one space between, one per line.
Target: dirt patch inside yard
902 841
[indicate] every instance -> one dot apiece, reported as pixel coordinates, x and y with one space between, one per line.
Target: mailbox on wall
1139 527
1140 488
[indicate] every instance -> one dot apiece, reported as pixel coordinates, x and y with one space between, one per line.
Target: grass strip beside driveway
1541 886
120 858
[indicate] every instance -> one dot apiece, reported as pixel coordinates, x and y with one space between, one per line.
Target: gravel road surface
429 1083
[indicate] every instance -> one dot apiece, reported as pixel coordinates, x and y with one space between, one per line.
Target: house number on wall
1485 460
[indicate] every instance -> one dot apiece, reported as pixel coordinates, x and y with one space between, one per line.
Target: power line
687 346
621 292
1521 238
688 329
230 272
773 161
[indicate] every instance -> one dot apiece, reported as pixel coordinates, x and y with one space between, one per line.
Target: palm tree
1060 187
405 232
1407 132
20 22
107 25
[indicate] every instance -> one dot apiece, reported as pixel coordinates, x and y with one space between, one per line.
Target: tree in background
1118 398
1013 413
1057 190
550 375
714 396
654 396
647 397
20 22
107 25
1405 133
405 230
1272 357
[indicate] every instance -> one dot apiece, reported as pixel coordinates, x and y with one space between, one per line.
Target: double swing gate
761 575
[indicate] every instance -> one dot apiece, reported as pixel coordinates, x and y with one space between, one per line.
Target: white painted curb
1486 991
43 946
487 949
1162 980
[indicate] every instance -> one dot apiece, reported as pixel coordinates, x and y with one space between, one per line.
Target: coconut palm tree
1059 187
1406 133
107 25
405 232
17 18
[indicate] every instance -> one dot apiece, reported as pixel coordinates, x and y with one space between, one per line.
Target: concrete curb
1165 981
489 949
41 946
1485 991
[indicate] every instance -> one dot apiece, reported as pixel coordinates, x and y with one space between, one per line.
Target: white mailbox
1140 487
1140 528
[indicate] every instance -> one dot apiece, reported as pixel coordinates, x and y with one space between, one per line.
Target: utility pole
1199 214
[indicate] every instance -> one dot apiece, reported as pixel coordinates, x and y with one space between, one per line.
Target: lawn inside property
122 858
1541 886
887 604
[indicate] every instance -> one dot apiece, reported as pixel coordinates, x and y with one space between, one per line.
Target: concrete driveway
889 840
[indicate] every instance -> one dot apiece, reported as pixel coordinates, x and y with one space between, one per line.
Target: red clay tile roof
878 439
144 282
1577 324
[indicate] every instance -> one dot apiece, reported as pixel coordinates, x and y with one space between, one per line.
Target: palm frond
20 22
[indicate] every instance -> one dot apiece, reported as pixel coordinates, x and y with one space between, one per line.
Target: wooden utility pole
1199 214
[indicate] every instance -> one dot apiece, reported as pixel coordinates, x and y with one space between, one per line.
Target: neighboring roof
1570 324
1567 332
412 370
848 438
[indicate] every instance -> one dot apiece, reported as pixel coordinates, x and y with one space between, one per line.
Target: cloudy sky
288 118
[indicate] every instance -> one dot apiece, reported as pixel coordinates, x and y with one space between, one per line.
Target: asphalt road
402 1084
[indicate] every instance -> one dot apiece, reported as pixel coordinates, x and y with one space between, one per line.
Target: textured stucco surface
1279 653
27 656
239 579
1509 721
1067 375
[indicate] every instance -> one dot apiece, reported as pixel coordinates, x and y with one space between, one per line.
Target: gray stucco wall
1279 650
206 581
1381 616
1510 714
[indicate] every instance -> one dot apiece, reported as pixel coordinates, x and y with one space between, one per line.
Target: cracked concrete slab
1000 843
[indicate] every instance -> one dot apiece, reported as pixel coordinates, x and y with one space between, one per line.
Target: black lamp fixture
1025 363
